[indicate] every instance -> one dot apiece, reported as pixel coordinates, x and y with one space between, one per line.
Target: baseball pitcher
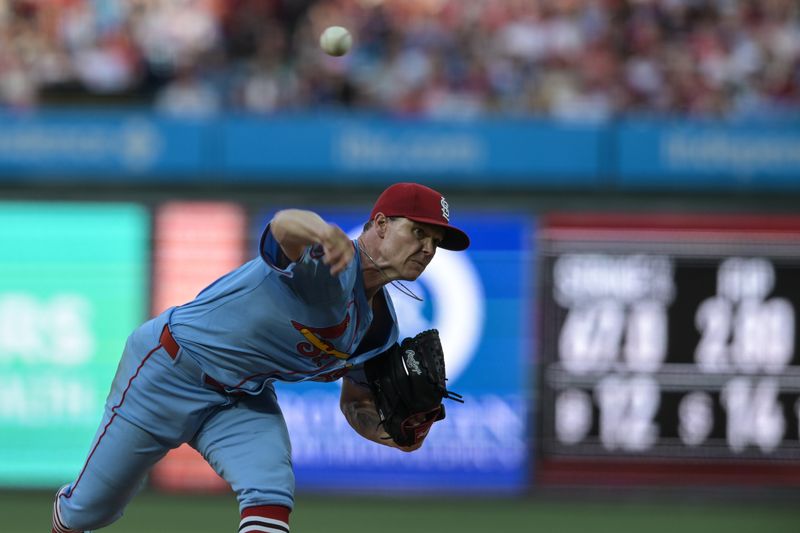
312 306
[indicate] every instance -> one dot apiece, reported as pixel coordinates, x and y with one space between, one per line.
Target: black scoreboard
669 337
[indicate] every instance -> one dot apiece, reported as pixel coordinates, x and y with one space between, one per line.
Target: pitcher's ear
380 224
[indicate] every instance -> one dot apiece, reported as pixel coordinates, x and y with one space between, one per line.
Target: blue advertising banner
708 155
479 301
124 146
345 149
111 146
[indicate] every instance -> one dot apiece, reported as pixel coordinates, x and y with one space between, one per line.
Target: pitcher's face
408 247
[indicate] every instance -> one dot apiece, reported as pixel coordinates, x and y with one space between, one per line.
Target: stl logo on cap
445 209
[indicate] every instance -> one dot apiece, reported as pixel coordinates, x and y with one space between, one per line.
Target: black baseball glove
408 383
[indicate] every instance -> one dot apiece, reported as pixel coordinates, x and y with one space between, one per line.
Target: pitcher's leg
152 407
118 461
248 445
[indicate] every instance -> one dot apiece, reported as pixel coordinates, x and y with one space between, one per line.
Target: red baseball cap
421 204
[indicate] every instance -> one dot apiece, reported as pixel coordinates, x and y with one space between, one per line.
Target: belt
171 347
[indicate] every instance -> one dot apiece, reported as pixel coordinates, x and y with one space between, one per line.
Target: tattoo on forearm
368 418
364 419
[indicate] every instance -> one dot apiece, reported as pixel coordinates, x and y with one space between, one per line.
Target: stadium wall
158 207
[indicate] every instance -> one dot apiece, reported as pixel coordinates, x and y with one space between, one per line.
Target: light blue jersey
268 320
262 322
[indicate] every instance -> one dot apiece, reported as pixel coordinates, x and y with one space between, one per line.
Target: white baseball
336 41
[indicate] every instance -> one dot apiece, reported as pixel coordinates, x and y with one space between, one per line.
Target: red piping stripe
105 429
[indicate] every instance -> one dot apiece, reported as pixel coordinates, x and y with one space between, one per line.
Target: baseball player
312 306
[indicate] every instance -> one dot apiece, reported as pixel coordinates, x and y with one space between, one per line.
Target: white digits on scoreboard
616 311
591 339
627 412
763 335
696 416
573 410
646 336
740 330
713 319
754 414
616 326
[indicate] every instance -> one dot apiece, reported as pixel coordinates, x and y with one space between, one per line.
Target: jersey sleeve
309 277
272 254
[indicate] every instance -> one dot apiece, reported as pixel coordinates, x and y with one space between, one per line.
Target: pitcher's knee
74 515
91 520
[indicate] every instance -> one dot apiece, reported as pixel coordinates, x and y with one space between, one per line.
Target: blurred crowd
570 59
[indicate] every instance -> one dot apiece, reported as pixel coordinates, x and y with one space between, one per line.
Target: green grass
29 512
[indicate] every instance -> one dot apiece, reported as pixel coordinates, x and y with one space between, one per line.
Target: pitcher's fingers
338 258
341 263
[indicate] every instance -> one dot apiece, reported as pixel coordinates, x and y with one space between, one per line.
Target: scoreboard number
741 328
669 338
